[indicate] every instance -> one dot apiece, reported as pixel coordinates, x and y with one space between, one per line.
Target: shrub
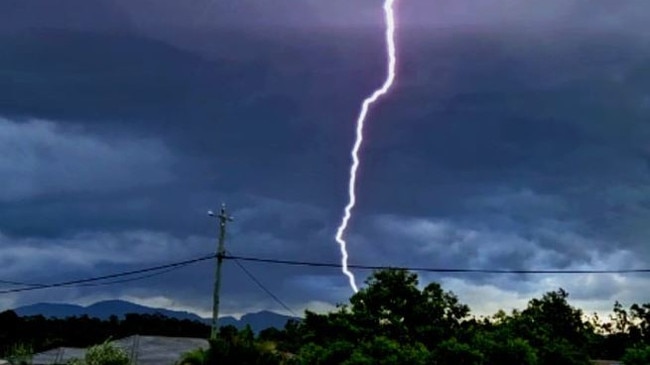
103 354
20 354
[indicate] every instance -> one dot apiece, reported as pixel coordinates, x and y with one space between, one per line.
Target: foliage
392 320
626 334
383 351
195 357
453 352
336 352
103 354
234 347
502 347
555 329
637 356
20 354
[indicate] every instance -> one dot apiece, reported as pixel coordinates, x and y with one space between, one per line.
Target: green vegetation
637 356
20 354
390 321
195 357
234 347
103 354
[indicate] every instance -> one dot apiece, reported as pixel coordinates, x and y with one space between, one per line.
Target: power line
92 284
18 283
438 270
79 282
252 277
162 269
137 278
264 288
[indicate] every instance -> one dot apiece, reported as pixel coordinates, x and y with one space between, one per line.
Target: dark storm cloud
537 151
38 158
74 75
574 139
203 107
515 137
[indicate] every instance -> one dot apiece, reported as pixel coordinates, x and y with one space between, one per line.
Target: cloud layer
40 158
516 137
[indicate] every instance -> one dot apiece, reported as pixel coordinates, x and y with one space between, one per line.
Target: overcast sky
516 137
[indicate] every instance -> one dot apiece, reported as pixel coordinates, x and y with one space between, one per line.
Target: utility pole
221 252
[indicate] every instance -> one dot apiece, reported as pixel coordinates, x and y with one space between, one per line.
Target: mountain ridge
120 308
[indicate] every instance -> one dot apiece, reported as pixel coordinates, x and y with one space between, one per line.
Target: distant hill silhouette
103 310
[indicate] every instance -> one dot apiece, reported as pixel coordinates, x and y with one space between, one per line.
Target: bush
637 356
104 354
20 354
194 357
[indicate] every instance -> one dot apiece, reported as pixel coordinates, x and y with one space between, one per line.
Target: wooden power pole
221 252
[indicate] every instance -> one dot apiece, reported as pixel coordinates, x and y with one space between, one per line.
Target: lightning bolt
367 103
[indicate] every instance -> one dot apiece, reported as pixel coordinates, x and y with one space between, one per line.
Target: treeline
391 321
40 333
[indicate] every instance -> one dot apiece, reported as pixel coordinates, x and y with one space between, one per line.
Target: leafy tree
389 321
640 331
555 329
332 353
431 326
384 351
616 335
391 305
499 346
453 352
